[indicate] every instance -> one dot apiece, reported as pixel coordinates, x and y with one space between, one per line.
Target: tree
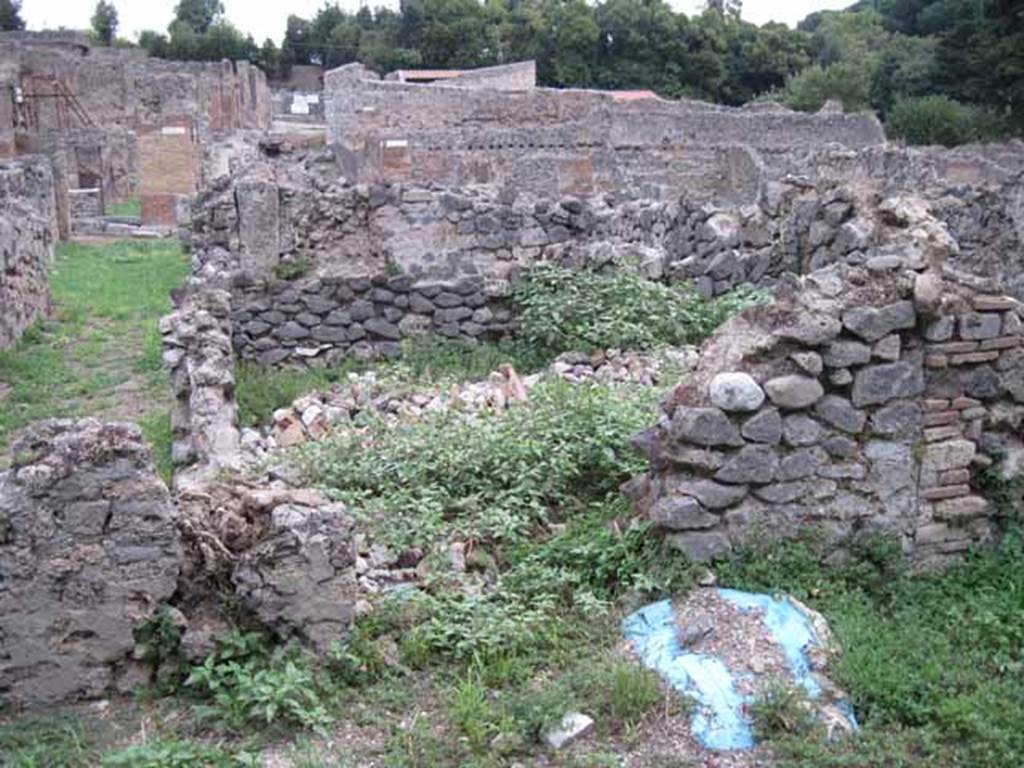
104 22
199 15
10 16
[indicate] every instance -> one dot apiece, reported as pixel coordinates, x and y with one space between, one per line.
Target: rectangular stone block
960 508
942 433
945 492
980 325
942 418
936 404
936 361
955 347
1001 342
955 477
993 303
961 403
951 454
973 358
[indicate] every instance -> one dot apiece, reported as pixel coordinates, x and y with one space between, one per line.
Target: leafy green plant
243 684
939 119
293 269
159 640
490 477
173 753
562 309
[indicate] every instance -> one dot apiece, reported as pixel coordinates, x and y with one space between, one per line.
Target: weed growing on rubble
563 309
934 662
487 477
244 684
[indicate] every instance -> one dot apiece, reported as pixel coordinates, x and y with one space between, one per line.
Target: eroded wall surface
89 550
28 233
861 400
545 140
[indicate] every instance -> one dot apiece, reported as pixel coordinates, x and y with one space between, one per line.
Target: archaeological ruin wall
862 400
28 234
90 108
310 259
544 140
89 549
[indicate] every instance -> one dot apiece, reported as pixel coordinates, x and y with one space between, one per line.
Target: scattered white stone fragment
574 725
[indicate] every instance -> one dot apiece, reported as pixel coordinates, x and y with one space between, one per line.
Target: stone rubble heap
859 400
318 414
89 548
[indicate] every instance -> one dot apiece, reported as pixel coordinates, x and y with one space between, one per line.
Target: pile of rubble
318 414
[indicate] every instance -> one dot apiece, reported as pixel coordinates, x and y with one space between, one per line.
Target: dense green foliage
940 120
487 476
933 662
563 309
104 22
10 16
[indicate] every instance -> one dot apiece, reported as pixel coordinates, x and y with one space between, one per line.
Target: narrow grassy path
99 354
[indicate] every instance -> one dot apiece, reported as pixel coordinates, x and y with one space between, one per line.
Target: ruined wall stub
28 233
860 401
89 548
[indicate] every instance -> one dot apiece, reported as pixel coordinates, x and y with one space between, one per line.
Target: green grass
132 207
934 662
102 337
45 741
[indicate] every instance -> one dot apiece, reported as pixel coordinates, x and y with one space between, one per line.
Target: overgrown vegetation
563 309
100 353
933 661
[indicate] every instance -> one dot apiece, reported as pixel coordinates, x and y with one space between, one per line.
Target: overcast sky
267 19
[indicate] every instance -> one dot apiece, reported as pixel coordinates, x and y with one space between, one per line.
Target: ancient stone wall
861 400
114 95
28 233
89 548
198 354
345 248
541 139
519 76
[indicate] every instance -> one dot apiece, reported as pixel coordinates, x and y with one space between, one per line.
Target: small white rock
736 392
574 725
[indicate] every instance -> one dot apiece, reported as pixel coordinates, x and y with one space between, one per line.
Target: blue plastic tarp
720 721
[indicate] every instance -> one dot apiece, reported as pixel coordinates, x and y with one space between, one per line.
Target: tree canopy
104 22
10 16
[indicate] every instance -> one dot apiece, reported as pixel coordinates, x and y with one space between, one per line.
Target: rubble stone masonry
28 234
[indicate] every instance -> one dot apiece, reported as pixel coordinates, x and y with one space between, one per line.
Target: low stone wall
28 233
335 317
89 548
197 352
858 401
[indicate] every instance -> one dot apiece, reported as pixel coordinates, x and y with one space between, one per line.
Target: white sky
267 19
